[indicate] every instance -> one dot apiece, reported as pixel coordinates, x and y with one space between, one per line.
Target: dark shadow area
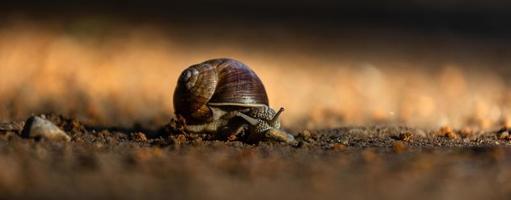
480 18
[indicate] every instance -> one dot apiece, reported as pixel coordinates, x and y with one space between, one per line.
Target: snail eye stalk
276 117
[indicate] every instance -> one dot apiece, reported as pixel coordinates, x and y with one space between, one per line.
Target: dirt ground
162 163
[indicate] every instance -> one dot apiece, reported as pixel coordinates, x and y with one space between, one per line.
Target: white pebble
38 127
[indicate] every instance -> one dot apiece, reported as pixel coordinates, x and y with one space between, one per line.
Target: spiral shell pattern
217 82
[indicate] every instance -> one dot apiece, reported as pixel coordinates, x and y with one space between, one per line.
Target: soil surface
165 163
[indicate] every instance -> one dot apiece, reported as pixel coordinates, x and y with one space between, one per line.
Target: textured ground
351 162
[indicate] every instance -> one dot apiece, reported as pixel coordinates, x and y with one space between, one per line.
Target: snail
214 94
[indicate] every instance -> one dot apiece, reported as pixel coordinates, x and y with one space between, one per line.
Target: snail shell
218 82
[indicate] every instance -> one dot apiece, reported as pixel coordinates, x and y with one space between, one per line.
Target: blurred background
417 63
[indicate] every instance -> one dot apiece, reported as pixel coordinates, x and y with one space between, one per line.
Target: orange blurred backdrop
116 73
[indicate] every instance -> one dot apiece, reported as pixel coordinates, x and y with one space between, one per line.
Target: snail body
209 94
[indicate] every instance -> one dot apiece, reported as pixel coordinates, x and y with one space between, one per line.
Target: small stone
231 137
139 137
345 141
503 135
179 139
466 132
448 132
38 127
407 136
420 133
306 134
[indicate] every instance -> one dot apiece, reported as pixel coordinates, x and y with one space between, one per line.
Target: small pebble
139 137
467 132
448 132
306 134
407 136
503 135
180 139
420 133
38 127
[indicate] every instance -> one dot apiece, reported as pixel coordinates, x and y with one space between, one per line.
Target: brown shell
216 82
